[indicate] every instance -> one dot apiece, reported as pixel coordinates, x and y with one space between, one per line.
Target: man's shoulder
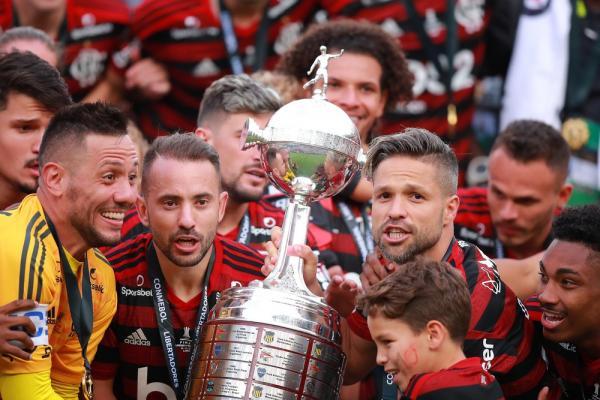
153 16
465 379
129 256
242 262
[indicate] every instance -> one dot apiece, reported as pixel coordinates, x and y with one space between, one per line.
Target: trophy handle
287 274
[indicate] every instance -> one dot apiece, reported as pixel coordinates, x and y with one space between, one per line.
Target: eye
169 203
568 283
417 196
543 277
25 128
202 202
109 178
383 196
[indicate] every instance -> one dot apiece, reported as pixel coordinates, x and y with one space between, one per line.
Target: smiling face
242 175
101 188
522 208
400 351
22 125
570 293
354 86
183 204
410 209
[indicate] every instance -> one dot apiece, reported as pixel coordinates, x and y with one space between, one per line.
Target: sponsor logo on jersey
125 291
137 338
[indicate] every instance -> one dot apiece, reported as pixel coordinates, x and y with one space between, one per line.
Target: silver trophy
275 339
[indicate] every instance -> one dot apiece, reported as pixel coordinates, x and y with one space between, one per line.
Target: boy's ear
436 334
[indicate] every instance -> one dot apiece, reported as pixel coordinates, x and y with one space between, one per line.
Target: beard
240 195
86 229
423 240
185 261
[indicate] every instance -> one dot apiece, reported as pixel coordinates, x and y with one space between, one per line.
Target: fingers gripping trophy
275 339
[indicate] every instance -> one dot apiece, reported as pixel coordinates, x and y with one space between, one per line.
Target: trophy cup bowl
275 339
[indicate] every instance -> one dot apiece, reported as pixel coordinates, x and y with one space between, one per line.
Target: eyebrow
560 271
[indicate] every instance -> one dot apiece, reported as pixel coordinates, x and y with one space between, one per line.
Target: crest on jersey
88 66
469 14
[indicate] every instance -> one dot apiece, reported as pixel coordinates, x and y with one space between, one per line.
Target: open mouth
552 320
186 243
116 216
258 172
396 234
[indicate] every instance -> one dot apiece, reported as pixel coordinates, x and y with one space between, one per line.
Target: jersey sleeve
358 325
501 333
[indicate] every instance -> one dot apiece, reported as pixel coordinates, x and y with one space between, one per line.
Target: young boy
418 317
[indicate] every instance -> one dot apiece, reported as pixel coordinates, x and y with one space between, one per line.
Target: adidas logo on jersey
137 338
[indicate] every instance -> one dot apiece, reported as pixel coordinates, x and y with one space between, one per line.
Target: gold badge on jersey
576 132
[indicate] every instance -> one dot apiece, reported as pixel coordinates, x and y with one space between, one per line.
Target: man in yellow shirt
88 174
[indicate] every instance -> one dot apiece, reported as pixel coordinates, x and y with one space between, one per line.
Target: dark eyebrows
560 271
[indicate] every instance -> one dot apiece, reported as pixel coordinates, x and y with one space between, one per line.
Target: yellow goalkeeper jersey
30 268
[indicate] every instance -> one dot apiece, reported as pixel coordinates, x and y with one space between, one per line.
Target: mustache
32 163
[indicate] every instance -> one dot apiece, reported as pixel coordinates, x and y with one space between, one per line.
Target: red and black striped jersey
500 332
326 214
473 223
429 108
131 351
464 380
186 36
574 375
90 33
254 228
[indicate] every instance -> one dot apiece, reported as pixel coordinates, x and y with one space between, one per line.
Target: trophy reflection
275 339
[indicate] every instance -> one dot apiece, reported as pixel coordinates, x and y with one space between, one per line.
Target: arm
103 389
314 64
360 353
521 275
109 89
148 77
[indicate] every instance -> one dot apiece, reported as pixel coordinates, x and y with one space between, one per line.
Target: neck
184 282
233 216
9 196
69 237
437 252
449 355
244 13
47 21
530 248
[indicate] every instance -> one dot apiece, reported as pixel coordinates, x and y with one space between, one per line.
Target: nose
397 208
508 211
381 358
346 98
35 146
125 193
547 295
186 217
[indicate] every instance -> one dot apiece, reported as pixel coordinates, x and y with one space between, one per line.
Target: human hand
16 328
309 269
341 294
543 395
150 78
374 271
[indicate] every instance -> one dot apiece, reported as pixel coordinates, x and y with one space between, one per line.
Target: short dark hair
28 33
421 291
358 37
237 94
529 140
27 74
68 129
579 225
416 143
181 147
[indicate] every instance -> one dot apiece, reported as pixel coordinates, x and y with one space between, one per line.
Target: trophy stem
287 274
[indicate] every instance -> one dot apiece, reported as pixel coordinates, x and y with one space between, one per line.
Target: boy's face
400 351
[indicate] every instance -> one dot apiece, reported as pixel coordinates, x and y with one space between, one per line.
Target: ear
205 134
54 178
436 334
142 210
223 197
450 209
563 195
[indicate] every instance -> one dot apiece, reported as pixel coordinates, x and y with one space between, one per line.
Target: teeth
395 234
117 216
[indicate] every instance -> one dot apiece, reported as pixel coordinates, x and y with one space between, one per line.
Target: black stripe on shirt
23 266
